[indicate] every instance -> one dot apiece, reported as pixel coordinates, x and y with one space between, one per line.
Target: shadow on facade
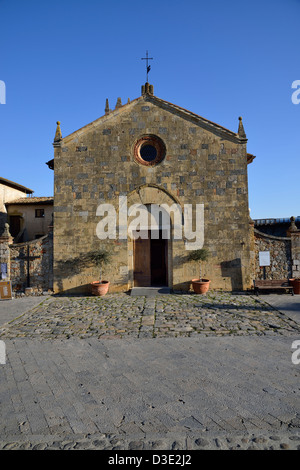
233 270
61 272
83 290
47 261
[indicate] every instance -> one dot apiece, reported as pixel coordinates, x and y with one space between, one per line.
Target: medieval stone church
151 152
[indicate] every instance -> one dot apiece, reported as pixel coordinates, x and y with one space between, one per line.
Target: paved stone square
174 372
123 316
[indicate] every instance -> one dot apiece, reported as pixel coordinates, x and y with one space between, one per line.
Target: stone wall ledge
30 242
272 237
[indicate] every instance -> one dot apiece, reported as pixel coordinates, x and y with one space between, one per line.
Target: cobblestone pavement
179 372
120 315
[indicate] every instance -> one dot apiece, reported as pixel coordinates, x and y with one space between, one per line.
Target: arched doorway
150 258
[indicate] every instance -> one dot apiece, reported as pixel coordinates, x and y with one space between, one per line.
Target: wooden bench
272 284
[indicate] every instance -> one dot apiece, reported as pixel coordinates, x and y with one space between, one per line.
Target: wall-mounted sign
264 258
3 271
5 290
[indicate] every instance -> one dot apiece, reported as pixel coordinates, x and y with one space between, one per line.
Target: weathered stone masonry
280 256
204 163
284 254
285 260
40 253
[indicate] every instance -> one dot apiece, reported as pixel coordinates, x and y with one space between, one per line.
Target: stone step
150 291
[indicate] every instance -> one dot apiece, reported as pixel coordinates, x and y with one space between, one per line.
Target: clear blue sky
220 59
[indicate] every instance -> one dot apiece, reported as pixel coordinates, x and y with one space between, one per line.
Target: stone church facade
152 152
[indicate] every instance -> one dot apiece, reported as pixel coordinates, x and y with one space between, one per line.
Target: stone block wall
203 165
280 256
40 266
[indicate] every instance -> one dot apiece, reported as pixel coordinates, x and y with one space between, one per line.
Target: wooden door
141 262
159 261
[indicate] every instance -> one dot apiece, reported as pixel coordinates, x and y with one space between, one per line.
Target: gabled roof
239 137
92 124
14 185
197 119
31 200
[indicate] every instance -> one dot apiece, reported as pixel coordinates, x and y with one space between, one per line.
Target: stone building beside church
150 151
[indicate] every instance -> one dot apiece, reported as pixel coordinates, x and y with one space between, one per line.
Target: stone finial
147 89
107 110
119 103
292 227
241 130
6 232
58 136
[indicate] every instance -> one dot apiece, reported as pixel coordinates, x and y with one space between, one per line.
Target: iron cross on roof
148 67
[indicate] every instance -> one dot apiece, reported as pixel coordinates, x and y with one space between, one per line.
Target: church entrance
150 260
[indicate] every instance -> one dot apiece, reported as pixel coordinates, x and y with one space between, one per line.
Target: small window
149 150
40 212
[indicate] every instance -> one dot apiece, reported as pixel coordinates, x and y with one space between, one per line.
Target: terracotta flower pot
296 286
100 288
200 287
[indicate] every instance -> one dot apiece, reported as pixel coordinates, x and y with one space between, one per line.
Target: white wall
8 194
34 225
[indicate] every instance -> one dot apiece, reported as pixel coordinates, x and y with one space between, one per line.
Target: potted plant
200 285
100 258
